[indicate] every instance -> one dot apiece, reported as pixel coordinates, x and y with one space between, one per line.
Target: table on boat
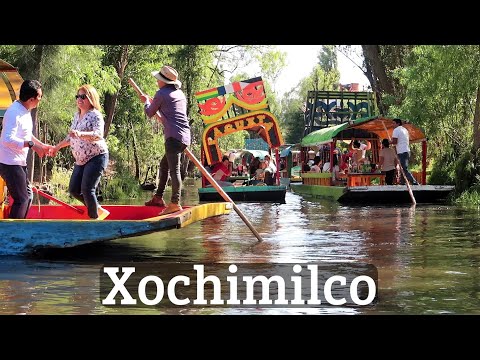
364 179
235 178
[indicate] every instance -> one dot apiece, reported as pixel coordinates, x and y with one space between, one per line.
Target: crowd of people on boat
257 171
356 158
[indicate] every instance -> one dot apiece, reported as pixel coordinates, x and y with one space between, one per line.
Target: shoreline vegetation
433 86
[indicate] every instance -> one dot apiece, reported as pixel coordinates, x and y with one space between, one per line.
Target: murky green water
428 257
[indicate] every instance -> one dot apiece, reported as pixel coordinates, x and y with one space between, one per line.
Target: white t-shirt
17 128
326 167
402 139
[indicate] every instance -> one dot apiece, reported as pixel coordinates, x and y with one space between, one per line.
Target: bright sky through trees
302 58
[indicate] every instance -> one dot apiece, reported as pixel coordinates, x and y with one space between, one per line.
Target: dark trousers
389 176
84 181
19 187
170 165
404 157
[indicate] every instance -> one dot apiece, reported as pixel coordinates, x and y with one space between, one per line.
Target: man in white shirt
400 139
15 141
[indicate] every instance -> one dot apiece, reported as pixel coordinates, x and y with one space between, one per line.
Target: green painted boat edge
331 192
242 189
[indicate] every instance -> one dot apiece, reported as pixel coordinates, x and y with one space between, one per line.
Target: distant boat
233 108
366 187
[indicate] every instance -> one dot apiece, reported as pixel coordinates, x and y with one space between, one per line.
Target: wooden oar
205 173
414 202
222 193
50 197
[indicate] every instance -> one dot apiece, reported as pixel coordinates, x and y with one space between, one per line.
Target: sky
302 58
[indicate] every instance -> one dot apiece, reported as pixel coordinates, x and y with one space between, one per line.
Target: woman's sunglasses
81 96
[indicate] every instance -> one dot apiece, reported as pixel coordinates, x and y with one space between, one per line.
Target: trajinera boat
366 184
233 108
53 226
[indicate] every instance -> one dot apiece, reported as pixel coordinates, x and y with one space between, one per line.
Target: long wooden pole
414 202
50 197
205 173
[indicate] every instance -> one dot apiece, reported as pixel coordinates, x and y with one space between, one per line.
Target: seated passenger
221 172
335 173
269 170
254 165
317 162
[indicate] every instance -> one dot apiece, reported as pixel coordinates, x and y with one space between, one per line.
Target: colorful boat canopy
10 82
231 100
255 153
379 126
236 107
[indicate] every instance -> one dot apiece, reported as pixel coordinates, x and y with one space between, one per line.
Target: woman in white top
89 149
335 172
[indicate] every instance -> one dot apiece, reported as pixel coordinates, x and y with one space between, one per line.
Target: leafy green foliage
440 85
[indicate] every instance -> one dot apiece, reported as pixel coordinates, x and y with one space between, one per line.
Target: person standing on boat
387 161
15 141
89 149
359 150
171 102
400 139
269 171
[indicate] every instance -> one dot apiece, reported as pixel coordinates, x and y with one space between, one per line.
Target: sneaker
155 201
171 208
102 213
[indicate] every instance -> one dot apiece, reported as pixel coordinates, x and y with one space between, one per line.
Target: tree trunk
476 122
135 154
111 99
377 74
37 65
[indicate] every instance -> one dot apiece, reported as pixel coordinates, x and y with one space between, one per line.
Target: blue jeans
171 161
19 187
403 157
84 181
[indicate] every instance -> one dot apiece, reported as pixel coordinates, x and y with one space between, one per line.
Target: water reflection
427 257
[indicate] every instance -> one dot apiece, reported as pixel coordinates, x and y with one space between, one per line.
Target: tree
327 58
442 96
382 62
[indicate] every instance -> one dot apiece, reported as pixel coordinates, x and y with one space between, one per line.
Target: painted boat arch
263 123
10 82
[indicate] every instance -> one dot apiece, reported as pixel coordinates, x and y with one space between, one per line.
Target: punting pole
209 177
50 197
414 202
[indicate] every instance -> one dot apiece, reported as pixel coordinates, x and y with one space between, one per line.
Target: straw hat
168 75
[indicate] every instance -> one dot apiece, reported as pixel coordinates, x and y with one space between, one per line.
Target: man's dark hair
29 89
398 121
386 143
356 144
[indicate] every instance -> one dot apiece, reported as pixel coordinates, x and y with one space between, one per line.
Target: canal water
427 257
